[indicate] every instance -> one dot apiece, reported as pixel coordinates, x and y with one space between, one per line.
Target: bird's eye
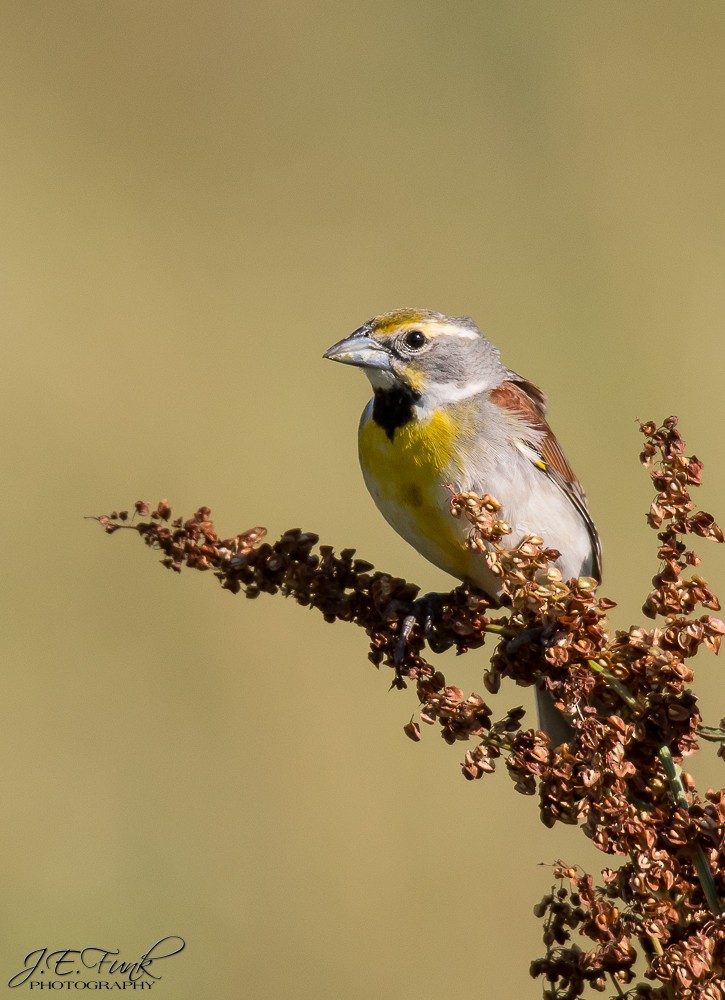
414 339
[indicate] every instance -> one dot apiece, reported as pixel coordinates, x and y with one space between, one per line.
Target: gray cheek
457 361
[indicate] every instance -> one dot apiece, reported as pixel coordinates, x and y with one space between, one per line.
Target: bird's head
432 356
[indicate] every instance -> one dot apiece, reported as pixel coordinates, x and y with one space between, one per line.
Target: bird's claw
402 641
424 609
541 635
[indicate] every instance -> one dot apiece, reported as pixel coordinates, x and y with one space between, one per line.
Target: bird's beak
360 349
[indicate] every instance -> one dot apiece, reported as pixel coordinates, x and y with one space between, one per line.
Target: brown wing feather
536 396
528 402
519 398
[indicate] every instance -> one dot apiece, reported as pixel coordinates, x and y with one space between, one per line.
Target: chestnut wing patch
528 403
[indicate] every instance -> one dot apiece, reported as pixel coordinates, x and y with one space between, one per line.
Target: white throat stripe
449 392
439 393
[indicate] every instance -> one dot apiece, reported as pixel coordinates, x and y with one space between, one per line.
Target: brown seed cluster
627 698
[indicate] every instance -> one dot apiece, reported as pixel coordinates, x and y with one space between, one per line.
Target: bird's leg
402 641
424 609
533 641
536 635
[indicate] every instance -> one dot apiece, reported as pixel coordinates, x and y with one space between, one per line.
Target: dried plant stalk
627 697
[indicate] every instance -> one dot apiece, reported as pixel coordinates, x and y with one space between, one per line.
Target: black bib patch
393 408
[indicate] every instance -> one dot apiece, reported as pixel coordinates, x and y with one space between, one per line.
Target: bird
447 413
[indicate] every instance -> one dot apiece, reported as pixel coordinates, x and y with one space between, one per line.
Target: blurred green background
197 200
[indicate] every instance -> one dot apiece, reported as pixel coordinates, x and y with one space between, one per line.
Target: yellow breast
407 478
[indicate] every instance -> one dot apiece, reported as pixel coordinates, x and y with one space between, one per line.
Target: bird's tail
551 721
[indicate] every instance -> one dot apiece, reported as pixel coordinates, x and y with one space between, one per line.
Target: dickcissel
446 411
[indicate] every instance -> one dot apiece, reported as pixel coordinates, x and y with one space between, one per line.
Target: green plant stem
502 630
714 734
704 872
669 989
613 683
617 987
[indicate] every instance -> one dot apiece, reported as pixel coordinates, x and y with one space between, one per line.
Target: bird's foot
425 610
538 635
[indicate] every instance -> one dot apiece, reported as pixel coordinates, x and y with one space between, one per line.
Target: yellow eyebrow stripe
403 317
